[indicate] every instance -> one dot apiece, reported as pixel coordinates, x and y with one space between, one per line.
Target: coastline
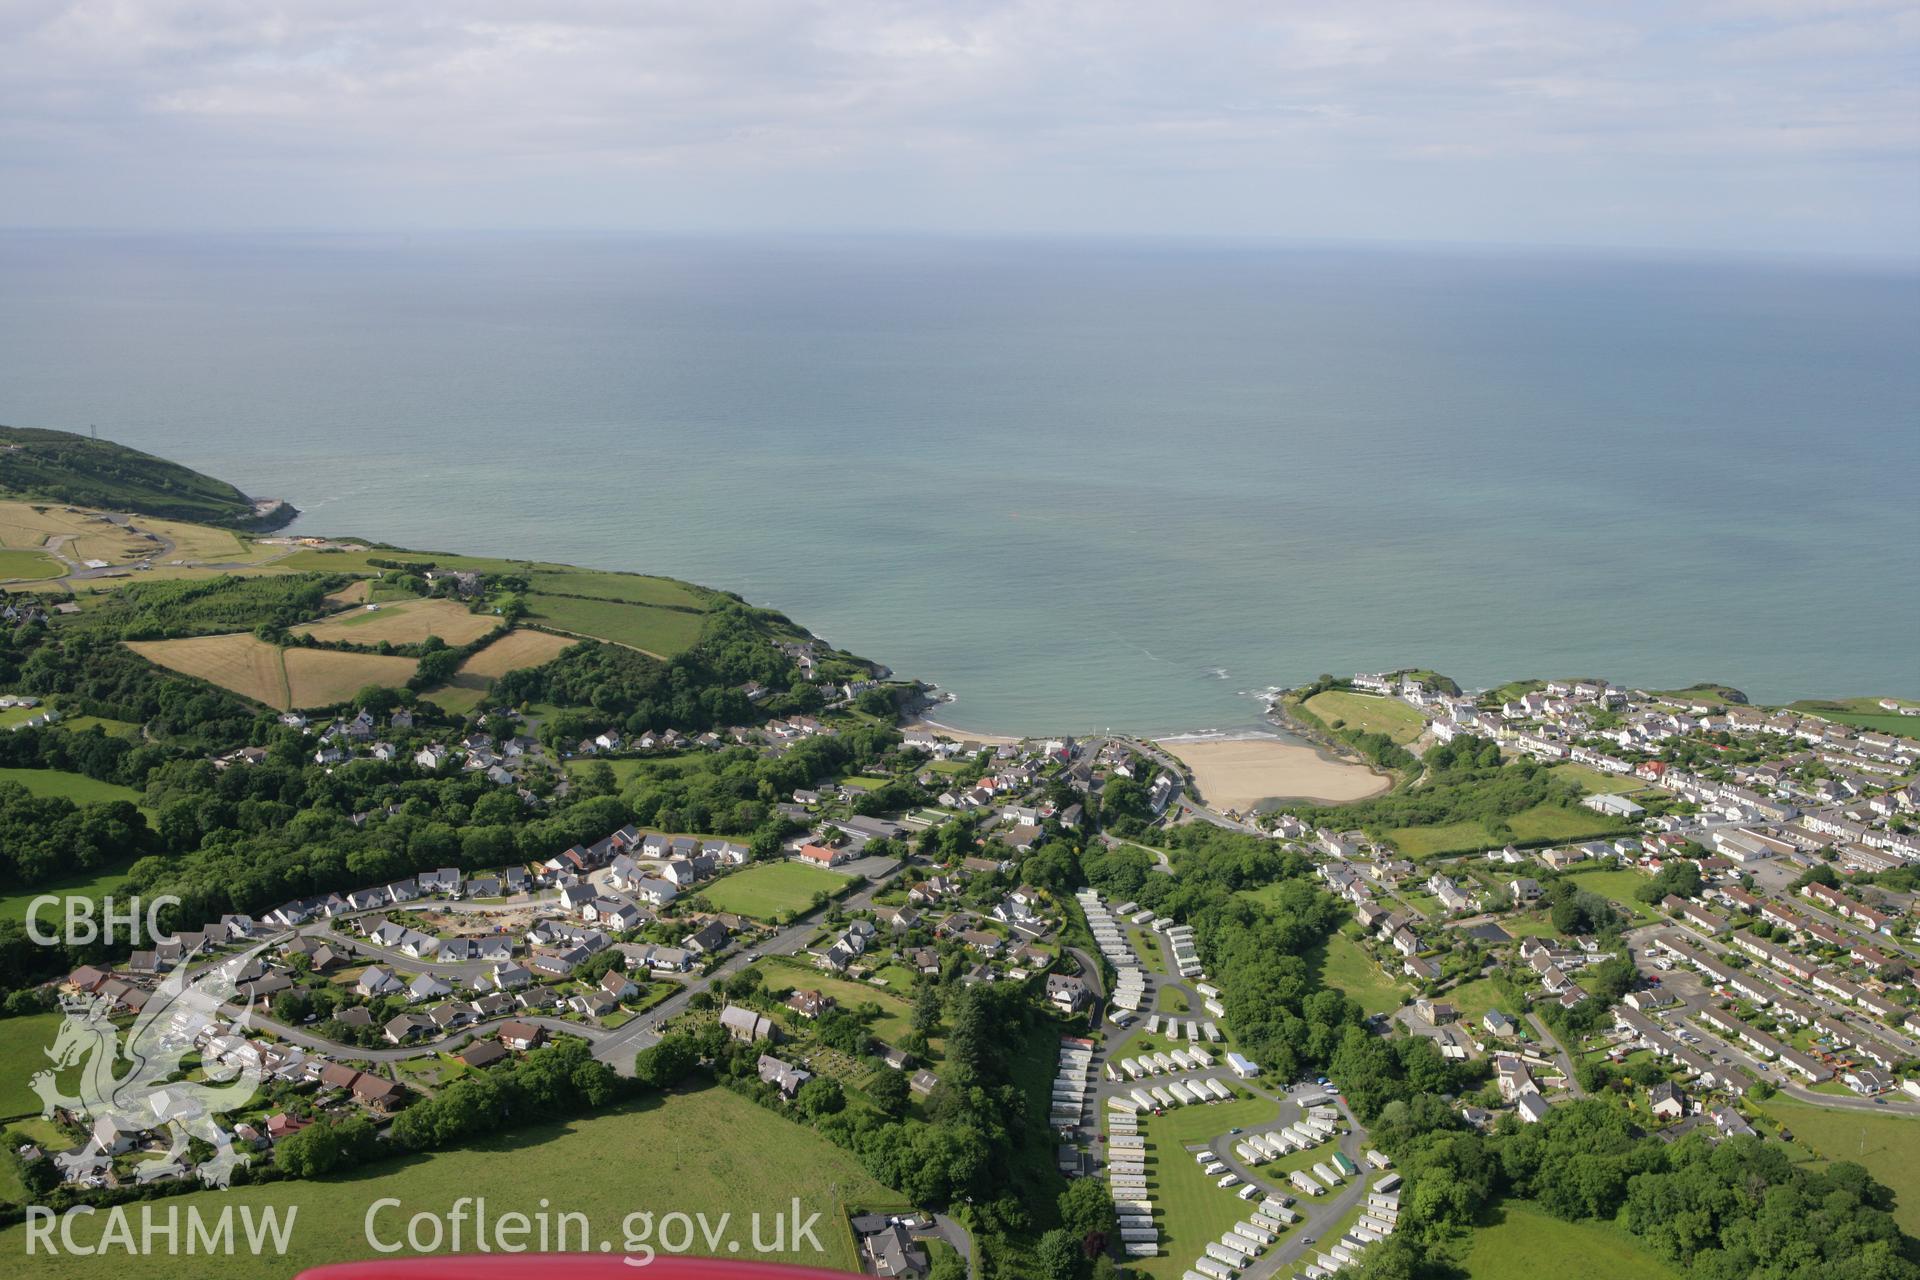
1242 772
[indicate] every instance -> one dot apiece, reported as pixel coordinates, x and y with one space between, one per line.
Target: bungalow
809 1004
618 986
707 939
822 855
406 1028
783 1076
482 1053
520 1036
376 981
372 1091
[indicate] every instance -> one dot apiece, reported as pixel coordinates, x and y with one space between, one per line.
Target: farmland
1361 711
20 1057
633 588
239 661
771 889
1864 713
651 629
706 1151
1541 823
408 622
516 650
255 669
322 677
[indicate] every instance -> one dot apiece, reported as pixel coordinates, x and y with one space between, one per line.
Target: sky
1767 125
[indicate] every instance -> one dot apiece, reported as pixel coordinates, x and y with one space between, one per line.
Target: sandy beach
958 735
1238 773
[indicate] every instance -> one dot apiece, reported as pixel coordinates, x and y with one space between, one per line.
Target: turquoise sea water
1079 486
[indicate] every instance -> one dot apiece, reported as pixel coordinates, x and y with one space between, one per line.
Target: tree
820 1096
890 1093
1058 1256
666 1063
1086 1208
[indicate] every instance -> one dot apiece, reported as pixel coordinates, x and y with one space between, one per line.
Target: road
1560 1054
616 1047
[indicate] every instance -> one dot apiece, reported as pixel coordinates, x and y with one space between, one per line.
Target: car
751 956
1233 1131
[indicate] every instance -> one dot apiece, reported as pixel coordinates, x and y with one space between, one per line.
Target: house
372 1091
707 939
888 1249
482 1053
809 1004
1524 889
519 1035
783 1076
1068 993
377 981
617 986
427 987
1666 1101
1531 1107
1497 1023
406 1028
1438 1012
744 1024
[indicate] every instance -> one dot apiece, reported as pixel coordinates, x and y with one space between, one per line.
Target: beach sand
958 735
1238 773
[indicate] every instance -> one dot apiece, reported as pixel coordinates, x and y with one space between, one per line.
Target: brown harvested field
240 662
85 536
322 677
356 592
408 622
514 651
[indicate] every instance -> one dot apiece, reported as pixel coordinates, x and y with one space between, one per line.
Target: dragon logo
144 1096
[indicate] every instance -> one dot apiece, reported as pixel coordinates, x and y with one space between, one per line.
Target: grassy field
408 622
1618 885
634 588
1342 963
769 889
93 884
21 1055
707 1151
624 771
1594 782
1864 713
1390 716
1523 1242
248 666
1475 997
112 728
76 787
1542 822
650 629
896 1014
322 677
28 566
1887 1144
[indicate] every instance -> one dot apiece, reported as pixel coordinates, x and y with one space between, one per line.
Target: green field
1618 885
1594 782
22 1045
633 588
660 632
28 566
1473 998
1885 1142
771 888
709 1151
112 728
94 884
1398 720
1864 713
1542 823
1523 1242
896 1013
624 771
76 787
1343 963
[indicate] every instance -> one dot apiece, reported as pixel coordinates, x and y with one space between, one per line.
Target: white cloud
1043 115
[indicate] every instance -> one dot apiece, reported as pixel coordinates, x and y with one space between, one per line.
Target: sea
1077 485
